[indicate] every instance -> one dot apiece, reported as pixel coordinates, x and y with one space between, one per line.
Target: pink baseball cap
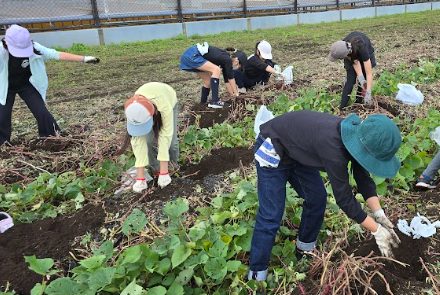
18 40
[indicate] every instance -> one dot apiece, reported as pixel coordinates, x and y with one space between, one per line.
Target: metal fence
55 14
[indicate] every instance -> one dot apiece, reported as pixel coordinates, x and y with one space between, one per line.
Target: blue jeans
432 169
272 197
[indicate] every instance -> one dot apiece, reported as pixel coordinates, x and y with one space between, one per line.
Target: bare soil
44 238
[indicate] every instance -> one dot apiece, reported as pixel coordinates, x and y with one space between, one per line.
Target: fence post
179 11
244 8
95 13
295 6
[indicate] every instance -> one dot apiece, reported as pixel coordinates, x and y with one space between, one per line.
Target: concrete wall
348 14
319 17
165 31
67 38
141 33
215 26
270 22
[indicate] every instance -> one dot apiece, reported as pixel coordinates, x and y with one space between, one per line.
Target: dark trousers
47 126
351 81
308 183
243 81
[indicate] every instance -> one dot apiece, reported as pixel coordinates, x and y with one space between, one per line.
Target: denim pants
308 183
174 147
433 167
47 126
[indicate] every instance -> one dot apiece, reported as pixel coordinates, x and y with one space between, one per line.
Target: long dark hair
6 47
356 45
157 122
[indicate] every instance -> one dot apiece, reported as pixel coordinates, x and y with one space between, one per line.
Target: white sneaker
216 105
242 90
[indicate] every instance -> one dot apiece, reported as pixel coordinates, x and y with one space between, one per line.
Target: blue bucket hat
373 143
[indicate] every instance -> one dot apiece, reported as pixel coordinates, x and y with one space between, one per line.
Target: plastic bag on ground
129 178
262 117
435 135
6 222
420 226
288 75
408 94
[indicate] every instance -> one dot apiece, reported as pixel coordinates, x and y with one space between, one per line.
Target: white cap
139 112
265 49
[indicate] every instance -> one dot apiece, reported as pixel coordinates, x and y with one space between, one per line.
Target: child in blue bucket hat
307 142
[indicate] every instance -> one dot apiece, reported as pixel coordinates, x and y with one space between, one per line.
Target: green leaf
93 262
176 208
216 268
40 266
133 289
105 249
180 254
131 255
101 278
159 290
219 218
63 286
38 289
151 260
176 289
164 266
219 249
233 265
135 222
185 276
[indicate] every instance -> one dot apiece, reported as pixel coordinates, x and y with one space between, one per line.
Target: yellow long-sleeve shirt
164 98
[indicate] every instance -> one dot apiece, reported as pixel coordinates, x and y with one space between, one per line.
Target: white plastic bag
408 94
288 75
420 226
262 117
435 135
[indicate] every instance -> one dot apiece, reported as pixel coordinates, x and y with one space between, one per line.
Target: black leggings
47 126
351 81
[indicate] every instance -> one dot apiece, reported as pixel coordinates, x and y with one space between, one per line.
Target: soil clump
44 238
219 161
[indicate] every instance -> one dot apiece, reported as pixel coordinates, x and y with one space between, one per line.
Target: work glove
380 217
91 60
385 240
164 180
140 185
362 81
368 99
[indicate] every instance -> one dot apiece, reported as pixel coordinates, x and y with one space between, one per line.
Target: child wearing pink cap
23 72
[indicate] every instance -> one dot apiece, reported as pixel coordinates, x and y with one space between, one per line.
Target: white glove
91 60
368 98
385 240
381 218
362 81
164 180
140 185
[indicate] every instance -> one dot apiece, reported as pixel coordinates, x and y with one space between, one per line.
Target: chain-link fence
55 14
